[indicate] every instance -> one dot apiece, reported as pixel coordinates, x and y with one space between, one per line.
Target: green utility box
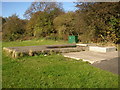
73 39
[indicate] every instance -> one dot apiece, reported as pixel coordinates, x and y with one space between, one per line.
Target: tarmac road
109 65
106 61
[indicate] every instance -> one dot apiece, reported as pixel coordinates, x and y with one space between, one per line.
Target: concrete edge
91 62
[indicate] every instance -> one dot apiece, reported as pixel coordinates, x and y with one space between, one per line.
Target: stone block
82 45
85 45
102 49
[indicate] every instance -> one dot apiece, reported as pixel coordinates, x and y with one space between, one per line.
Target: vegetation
40 25
55 8
92 22
54 71
65 25
33 42
13 28
101 21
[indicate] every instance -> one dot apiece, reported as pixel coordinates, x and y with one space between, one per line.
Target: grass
33 42
0 65
119 47
53 71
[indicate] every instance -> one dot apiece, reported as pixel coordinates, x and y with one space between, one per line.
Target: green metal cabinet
73 39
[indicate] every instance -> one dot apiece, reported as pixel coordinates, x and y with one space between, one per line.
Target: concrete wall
102 49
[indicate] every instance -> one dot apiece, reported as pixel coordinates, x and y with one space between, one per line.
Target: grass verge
53 71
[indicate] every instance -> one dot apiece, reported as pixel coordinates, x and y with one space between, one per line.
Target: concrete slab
102 49
92 57
82 45
85 45
42 49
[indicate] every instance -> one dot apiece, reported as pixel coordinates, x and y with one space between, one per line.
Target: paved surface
109 65
92 57
106 61
41 47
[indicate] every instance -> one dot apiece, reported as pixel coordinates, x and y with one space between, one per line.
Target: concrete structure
82 45
92 57
102 49
85 45
42 49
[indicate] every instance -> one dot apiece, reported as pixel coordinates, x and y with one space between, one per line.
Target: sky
19 8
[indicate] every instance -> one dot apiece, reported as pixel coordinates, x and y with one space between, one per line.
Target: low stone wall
17 52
